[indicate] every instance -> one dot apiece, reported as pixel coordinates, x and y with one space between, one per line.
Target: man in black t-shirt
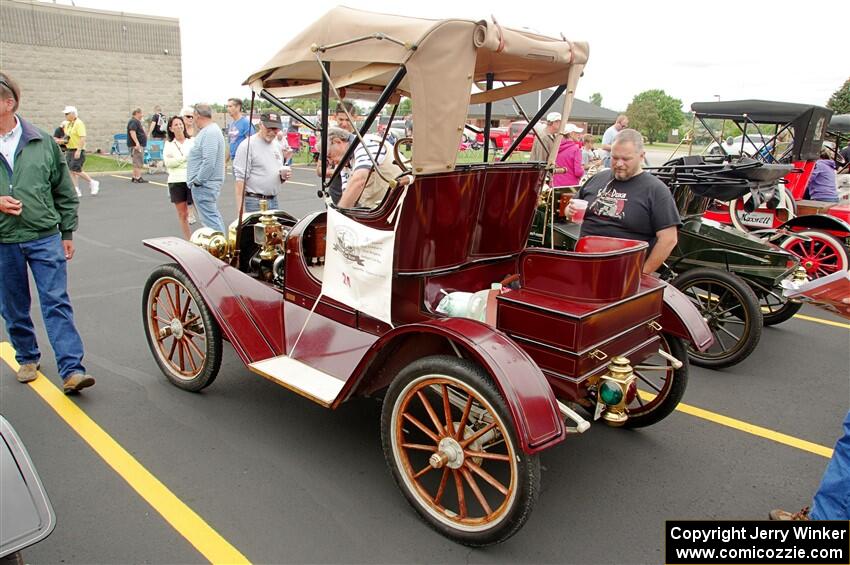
627 202
156 124
136 141
60 138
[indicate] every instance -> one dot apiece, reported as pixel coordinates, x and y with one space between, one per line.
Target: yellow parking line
746 427
182 518
822 321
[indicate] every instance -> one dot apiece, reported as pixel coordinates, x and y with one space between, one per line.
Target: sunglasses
189 117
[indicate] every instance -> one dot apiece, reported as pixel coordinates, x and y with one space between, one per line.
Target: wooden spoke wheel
731 309
820 253
450 442
660 386
182 334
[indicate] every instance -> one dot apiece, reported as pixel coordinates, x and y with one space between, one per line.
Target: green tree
654 113
596 99
840 99
644 117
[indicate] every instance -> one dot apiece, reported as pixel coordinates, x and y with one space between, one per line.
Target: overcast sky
695 51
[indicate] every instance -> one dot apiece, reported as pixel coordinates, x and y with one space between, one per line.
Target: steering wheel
402 161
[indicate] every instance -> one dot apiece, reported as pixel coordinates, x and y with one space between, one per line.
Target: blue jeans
46 260
206 203
832 500
252 204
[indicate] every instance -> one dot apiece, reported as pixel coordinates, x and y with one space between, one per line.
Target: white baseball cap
70 110
553 117
572 128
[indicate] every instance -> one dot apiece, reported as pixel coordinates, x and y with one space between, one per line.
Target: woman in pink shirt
569 158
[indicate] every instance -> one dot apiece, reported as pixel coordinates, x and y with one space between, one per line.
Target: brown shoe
28 372
785 515
77 382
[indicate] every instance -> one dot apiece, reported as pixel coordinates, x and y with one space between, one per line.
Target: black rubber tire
671 393
204 375
782 314
524 469
12 559
748 311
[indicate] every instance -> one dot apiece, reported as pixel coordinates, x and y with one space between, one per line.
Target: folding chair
153 155
120 150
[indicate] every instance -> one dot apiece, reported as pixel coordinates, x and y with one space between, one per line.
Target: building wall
104 63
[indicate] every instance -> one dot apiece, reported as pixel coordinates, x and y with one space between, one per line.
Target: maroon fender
526 391
680 318
249 312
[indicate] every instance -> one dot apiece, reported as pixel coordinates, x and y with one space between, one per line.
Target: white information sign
359 266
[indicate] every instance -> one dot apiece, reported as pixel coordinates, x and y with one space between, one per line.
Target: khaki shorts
138 157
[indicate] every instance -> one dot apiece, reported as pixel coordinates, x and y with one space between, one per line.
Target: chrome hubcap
177 328
449 453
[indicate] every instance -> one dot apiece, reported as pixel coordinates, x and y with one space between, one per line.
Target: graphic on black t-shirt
610 203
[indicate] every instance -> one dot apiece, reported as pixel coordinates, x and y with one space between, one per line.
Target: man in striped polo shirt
205 168
362 185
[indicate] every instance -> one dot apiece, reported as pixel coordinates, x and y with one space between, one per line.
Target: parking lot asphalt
274 478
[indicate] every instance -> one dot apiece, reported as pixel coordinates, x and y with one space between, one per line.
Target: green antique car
734 278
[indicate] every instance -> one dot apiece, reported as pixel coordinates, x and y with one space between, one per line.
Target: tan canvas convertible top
443 59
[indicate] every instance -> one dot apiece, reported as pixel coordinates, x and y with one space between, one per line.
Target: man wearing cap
38 216
259 166
544 139
569 158
75 154
608 138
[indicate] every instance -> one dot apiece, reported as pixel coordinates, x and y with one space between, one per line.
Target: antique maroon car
431 300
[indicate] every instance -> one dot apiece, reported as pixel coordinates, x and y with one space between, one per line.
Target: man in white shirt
259 166
608 138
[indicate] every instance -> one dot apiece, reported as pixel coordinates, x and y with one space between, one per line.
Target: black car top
809 122
840 123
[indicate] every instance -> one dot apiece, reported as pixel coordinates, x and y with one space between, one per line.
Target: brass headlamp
212 241
268 234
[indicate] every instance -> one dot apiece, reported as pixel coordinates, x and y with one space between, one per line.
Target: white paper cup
579 208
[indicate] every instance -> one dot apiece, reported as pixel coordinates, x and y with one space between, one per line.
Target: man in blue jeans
205 168
832 500
38 215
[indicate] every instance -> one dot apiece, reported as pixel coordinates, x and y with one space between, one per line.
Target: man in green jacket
38 215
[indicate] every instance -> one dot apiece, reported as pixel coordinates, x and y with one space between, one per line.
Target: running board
301 378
